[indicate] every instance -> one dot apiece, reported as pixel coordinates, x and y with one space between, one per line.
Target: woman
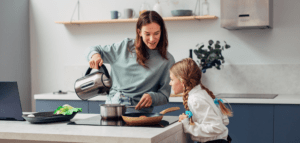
139 67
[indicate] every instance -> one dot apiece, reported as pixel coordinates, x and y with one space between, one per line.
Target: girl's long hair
188 72
145 18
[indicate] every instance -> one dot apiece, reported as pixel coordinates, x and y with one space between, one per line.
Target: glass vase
205 8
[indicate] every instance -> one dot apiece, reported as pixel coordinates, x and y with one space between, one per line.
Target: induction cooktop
97 121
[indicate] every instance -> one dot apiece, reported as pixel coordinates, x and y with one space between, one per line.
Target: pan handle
169 110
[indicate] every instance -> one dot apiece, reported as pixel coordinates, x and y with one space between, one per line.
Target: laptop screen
10 104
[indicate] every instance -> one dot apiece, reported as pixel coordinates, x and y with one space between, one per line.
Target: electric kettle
94 84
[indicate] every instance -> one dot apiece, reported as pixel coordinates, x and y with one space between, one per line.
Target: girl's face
150 34
177 85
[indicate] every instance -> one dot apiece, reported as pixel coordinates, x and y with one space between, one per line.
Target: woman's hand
182 117
96 61
145 102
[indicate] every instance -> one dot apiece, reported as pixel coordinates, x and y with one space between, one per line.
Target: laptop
10 104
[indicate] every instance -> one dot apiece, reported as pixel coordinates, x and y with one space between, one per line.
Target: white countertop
61 132
280 99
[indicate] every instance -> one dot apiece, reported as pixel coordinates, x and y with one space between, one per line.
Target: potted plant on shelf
211 57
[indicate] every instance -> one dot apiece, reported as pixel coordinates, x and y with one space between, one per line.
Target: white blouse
210 123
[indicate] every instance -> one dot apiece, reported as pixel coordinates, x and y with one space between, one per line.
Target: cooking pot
113 111
112 122
93 84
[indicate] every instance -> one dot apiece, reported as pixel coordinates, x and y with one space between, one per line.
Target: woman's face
177 85
150 34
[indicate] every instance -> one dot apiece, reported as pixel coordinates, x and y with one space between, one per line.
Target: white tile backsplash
268 79
265 79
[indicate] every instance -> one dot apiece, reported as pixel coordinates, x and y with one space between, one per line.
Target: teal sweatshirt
132 79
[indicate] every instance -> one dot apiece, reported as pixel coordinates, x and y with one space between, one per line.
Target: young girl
206 116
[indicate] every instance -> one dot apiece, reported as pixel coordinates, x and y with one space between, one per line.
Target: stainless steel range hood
246 14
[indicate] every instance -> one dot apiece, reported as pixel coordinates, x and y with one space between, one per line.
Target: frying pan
146 118
47 117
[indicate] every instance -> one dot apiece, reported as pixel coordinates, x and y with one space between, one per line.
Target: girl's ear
181 82
182 85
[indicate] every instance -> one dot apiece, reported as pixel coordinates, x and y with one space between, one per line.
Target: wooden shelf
135 20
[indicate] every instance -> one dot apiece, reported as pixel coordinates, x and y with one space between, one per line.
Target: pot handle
104 69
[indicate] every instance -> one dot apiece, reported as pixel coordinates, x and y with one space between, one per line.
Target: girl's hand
182 116
96 61
145 102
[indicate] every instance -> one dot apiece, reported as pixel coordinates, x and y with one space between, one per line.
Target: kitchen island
25 132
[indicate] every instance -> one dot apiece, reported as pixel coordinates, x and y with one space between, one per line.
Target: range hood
246 14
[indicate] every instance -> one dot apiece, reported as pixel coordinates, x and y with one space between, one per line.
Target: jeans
120 98
216 141
229 139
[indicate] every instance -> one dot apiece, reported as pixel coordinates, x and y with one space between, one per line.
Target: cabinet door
94 106
158 109
251 123
287 124
51 105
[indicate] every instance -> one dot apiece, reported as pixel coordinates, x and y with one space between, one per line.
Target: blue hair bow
216 101
189 114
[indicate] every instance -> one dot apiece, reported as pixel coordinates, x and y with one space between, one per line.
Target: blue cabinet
251 123
94 106
51 105
287 124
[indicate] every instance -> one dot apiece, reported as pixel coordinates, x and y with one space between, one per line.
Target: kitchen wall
14 47
259 61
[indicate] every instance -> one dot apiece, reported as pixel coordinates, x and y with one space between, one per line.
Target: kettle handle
104 69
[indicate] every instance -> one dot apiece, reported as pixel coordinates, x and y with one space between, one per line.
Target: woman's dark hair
145 18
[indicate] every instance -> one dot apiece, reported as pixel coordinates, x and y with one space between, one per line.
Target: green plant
212 56
66 110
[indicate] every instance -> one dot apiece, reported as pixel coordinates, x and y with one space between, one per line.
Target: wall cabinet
259 123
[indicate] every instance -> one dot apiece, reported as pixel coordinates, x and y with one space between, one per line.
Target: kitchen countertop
280 99
61 132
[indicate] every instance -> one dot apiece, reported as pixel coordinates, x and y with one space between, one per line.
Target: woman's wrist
96 54
90 56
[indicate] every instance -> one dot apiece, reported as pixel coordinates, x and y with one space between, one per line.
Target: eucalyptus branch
211 57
